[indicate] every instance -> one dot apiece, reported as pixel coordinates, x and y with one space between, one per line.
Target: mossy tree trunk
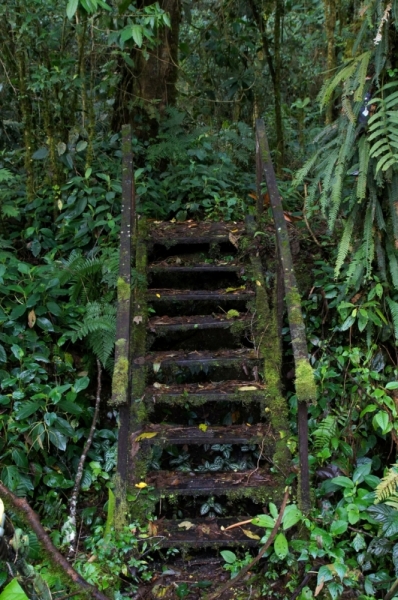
148 87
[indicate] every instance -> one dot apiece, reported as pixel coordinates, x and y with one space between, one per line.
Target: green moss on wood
305 382
123 290
120 381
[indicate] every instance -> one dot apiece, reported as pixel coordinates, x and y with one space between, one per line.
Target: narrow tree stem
79 474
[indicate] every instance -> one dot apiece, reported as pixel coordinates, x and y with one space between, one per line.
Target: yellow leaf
157 295
31 318
235 289
141 485
145 436
258 283
247 388
59 204
250 534
203 427
186 525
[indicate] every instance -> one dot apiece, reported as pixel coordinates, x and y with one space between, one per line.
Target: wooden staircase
203 422
198 383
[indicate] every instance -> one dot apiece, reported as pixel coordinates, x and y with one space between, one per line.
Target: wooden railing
286 281
122 377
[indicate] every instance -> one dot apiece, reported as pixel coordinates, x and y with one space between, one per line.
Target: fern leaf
393 306
387 486
345 241
364 156
326 430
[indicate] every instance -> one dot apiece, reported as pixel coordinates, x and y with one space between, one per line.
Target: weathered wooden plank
305 384
121 373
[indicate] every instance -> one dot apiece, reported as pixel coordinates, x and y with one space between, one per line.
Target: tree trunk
330 25
147 88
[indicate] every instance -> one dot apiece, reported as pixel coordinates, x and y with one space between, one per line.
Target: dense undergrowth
60 189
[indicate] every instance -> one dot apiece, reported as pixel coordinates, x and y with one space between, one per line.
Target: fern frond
330 85
305 169
347 108
361 76
393 306
326 430
393 204
388 485
344 244
364 155
392 264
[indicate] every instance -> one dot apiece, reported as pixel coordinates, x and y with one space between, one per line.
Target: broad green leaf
361 471
82 145
392 385
274 511
71 8
281 547
57 480
26 409
359 542
136 32
228 556
381 419
338 527
342 481
368 409
292 515
13 591
40 154
264 521
58 439
353 514
54 308
3 355
81 384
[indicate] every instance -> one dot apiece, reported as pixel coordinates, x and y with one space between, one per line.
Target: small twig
79 475
218 593
258 462
27 514
302 585
238 524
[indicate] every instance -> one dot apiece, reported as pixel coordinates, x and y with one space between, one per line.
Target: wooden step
198 394
175 295
223 358
202 232
207 532
202 484
227 434
194 322
197 268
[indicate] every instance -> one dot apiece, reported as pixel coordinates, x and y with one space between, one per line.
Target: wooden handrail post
305 383
121 373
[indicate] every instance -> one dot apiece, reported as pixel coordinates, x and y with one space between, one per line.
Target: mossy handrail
121 374
304 382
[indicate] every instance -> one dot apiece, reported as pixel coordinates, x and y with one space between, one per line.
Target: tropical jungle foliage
70 75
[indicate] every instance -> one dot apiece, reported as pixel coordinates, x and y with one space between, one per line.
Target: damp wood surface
191 230
189 322
209 531
199 484
259 433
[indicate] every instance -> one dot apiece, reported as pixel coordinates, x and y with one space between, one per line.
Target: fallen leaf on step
137 320
233 239
250 534
145 436
203 427
141 485
247 388
156 367
186 525
234 289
